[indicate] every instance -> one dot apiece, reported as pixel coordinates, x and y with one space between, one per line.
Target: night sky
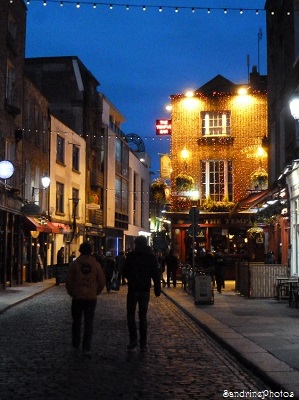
142 57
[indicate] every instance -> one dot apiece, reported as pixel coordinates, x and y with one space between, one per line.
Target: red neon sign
163 127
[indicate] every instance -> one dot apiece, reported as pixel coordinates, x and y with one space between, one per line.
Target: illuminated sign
163 127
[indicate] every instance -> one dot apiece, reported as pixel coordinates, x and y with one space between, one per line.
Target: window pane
59 197
60 149
215 123
117 194
75 158
124 196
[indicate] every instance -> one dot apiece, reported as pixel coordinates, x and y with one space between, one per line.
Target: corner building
219 134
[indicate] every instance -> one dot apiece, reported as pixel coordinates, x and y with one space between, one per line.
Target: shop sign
163 127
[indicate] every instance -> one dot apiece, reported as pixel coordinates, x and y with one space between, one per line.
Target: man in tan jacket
84 282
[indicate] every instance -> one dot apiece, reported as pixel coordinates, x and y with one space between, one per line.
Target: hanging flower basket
157 190
259 178
184 182
255 231
217 206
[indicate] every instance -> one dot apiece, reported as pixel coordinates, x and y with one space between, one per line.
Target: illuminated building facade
218 157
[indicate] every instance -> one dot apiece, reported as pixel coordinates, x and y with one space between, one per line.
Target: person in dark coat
219 270
60 256
140 268
85 281
109 268
172 263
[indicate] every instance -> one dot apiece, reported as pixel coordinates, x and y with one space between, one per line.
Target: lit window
215 123
217 179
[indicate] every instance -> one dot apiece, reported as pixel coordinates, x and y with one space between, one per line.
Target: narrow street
183 362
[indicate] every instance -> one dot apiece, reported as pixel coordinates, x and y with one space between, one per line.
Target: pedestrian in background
84 282
161 261
72 257
120 262
60 256
172 263
109 268
140 268
219 265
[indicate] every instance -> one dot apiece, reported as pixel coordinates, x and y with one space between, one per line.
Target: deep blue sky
142 57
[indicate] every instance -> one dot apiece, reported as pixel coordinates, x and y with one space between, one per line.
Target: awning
37 224
58 227
252 200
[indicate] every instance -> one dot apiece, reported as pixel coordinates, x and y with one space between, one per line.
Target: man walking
84 282
141 266
172 263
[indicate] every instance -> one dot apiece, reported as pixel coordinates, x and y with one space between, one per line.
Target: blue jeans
80 307
142 298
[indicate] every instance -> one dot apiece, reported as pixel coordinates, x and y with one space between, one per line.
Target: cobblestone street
183 362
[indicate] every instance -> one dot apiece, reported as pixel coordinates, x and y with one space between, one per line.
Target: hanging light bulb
111 7
94 5
193 10
160 9
144 8
61 4
127 8
241 11
225 11
176 10
78 5
209 11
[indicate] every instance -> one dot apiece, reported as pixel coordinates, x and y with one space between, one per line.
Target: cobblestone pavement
183 362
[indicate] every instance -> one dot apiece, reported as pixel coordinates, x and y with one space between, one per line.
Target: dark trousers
171 274
80 307
108 275
142 298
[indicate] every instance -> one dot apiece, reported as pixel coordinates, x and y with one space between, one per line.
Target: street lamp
185 156
294 107
45 182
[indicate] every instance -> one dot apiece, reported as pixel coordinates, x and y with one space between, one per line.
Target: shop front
214 232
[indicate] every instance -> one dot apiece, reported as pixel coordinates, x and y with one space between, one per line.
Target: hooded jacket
85 279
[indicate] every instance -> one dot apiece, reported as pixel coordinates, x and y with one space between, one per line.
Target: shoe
132 345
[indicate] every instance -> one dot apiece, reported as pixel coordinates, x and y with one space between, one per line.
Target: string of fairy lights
144 7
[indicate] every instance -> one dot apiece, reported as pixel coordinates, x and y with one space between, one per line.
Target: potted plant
255 231
259 178
157 190
184 182
217 206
